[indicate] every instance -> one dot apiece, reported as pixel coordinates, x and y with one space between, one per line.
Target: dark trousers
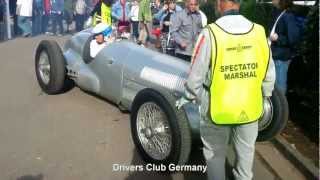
2 31
45 22
135 29
79 18
184 57
57 19
68 17
36 24
16 29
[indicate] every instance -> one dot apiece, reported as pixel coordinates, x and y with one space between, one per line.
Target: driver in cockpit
102 37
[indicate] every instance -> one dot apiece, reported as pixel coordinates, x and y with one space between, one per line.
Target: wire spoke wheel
154 131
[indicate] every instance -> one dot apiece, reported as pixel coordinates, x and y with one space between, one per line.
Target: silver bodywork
123 68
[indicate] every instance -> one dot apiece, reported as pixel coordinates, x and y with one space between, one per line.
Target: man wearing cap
231 73
102 37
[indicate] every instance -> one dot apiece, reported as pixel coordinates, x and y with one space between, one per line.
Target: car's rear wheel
160 131
50 67
275 117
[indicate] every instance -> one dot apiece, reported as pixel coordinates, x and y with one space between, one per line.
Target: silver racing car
146 83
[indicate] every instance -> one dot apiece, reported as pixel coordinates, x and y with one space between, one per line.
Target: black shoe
26 35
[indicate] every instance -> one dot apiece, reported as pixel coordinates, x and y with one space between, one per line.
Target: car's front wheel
160 131
50 67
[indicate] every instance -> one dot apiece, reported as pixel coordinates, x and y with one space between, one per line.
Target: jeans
36 25
2 31
135 29
57 19
68 17
215 140
45 22
282 74
79 18
16 29
24 24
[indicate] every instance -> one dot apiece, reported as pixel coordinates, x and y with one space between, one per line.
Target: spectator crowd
57 17
172 27
53 17
146 20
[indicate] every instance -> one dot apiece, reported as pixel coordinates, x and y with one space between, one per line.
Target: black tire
279 118
57 67
179 125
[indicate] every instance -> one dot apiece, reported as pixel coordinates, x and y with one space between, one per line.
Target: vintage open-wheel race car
147 84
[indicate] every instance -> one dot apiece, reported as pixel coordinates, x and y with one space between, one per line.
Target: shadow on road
31 177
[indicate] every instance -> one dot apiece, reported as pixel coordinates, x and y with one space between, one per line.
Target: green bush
247 9
208 9
257 12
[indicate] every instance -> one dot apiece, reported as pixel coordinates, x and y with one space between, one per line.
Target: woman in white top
24 13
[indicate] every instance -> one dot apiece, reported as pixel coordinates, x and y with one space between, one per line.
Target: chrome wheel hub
147 132
153 131
44 67
266 119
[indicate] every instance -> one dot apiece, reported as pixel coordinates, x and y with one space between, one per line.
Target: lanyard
274 26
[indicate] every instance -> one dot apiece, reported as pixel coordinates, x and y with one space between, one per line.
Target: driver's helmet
103 29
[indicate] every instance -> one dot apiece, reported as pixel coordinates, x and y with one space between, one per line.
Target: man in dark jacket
284 39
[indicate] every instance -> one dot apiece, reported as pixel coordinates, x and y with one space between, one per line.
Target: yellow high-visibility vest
105 16
239 65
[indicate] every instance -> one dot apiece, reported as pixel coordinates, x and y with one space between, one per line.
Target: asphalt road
72 136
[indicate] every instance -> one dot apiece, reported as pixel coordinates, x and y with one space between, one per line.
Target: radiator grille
170 81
